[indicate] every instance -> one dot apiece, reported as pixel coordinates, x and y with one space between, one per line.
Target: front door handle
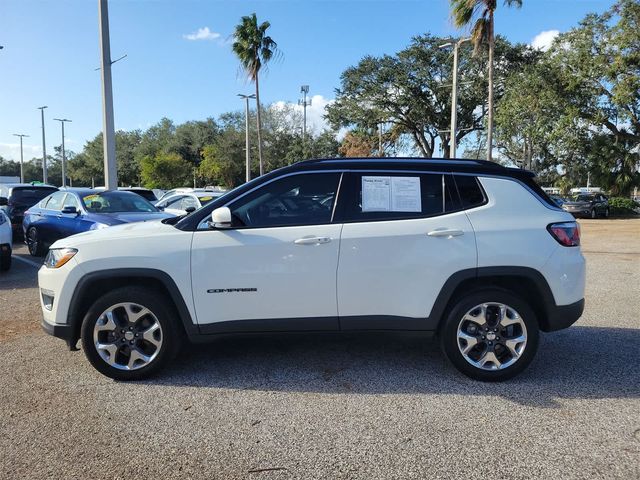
445 232
312 240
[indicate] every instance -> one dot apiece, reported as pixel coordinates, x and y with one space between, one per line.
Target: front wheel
130 333
594 214
490 335
34 244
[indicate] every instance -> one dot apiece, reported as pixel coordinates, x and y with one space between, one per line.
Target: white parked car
6 241
470 250
183 203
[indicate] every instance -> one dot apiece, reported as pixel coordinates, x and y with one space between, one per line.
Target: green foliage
221 166
623 206
411 92
166 170
578 108
253 47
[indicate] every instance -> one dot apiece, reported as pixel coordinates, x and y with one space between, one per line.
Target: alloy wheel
492 336
33 242
127 336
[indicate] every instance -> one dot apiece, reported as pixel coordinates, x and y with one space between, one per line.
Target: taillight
566 233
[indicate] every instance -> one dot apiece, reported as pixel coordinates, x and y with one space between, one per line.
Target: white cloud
315 112
202 34
11 151
543 40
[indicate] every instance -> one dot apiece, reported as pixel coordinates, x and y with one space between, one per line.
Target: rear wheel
34 244
593 213
606 213
490 335
130 333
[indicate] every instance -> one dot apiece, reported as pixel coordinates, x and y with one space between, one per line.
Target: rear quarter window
471 193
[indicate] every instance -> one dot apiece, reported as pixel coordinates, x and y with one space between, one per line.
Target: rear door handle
445 232
312 240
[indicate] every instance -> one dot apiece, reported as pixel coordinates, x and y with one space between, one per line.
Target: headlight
57 257
99 226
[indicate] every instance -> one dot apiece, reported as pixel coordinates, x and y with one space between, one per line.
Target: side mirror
70 210
4 201
190 209
221 217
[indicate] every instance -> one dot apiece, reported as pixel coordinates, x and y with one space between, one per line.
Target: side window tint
71 201
470 192
304 199
397 196
175 203
451 199
55 201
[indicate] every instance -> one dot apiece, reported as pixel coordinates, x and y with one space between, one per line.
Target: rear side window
29 196
397 196
471 194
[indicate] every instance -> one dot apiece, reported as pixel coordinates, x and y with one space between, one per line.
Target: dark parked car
15 198
589 205
72 211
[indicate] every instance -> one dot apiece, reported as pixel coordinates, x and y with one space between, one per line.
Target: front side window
55 201
71 201
398 196
303 199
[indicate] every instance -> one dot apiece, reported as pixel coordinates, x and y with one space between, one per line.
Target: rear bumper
563 316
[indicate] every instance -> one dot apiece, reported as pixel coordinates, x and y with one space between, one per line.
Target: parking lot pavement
325 407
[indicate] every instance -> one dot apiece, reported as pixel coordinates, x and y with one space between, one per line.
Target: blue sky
51 49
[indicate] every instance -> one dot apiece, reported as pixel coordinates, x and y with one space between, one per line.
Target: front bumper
563 316
65 332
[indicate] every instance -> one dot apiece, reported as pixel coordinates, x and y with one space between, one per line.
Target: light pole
44 147
246 134
64 159
108 131
454 94
304 90
21 156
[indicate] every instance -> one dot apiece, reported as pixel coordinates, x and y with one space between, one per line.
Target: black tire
594 214
159 306
449 334
5 261
34 244
607 213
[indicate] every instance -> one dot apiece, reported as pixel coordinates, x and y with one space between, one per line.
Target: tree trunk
259 125
490 102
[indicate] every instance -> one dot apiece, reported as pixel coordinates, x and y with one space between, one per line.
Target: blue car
72 211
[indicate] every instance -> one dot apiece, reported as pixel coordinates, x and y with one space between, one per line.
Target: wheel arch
92 285
527 283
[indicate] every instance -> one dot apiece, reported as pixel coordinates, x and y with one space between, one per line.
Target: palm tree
254 49
464 12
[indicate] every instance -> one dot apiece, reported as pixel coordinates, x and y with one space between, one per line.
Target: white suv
470 250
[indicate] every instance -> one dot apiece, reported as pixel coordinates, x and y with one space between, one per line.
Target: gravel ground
334 406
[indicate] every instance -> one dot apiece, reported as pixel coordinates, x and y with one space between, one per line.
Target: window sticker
391 194
376 194
405 194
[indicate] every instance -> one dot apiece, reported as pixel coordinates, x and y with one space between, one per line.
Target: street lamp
64 160
21 135
454 94
246 134
304 90
44 147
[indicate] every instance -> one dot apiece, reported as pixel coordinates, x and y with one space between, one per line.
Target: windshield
30 196
582 198
114 202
